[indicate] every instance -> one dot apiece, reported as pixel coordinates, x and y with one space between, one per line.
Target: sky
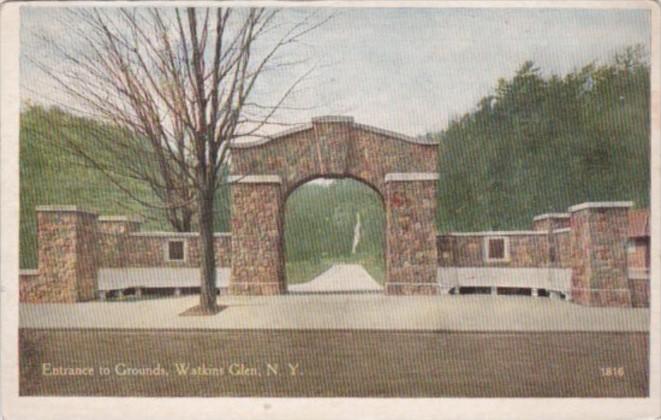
402 69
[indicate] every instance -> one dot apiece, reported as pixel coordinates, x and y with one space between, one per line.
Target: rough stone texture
74 244
468 251
639 256
144 250
599 263
67 258
411 254
257 240
562 245
640 292
29 286
332 147
594 246
112 235
550 223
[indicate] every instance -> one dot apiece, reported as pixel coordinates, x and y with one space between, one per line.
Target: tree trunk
207 253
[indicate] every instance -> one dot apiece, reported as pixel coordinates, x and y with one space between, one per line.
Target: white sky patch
406 70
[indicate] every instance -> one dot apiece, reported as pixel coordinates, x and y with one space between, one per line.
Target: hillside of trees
540 144
50 174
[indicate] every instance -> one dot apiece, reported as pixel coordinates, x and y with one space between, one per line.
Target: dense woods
540 144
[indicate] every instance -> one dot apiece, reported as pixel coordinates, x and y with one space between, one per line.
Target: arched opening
334 237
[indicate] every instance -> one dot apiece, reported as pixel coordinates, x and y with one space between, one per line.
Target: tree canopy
539 144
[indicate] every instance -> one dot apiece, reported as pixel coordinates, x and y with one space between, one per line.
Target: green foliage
320 221
51 174
542 144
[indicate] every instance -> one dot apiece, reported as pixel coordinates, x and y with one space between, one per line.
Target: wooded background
538 143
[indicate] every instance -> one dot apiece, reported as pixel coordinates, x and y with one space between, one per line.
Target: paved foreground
340 278
342 311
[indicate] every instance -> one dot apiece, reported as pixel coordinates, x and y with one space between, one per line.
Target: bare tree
183 84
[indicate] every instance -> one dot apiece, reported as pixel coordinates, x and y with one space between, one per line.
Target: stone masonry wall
257 254
599 276
67 262
148 249
640 292
73 244
638 255
605 271
549 222
563 251
87 258
331 147
30 290
335 148
411 254
526 250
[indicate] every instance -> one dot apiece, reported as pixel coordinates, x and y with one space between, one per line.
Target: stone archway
402 169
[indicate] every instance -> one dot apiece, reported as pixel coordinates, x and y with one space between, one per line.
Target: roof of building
639 223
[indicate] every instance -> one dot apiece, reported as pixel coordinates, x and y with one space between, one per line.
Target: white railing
156 277
552 279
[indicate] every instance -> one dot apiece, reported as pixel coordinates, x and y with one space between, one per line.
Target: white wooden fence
551 279
110 279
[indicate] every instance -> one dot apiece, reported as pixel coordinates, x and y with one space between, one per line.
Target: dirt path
340 278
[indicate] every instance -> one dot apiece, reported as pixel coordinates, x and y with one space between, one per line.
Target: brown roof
639 223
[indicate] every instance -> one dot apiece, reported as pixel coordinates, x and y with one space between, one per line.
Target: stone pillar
411 252
118 225
599 233
550 221
113 233
257 241
67 248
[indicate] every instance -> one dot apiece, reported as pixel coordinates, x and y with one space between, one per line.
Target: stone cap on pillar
551 216
125 219
254 179
600 205
411 176
64 209
332 119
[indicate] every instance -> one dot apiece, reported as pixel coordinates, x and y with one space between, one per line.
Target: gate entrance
401 169
334 238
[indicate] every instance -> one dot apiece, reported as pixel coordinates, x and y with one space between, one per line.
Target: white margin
302 408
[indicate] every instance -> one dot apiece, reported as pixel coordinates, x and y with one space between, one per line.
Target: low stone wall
589 242
560 248
148 249
74 244
525 249
30 289
638 251
639 284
